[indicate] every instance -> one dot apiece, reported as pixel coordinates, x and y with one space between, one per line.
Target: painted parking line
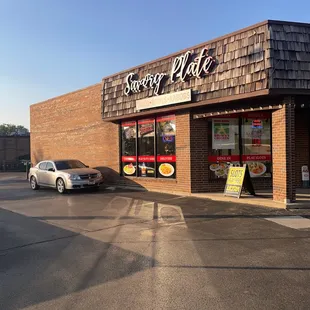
7 178
295 222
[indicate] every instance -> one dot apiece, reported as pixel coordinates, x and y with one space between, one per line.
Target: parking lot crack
38 242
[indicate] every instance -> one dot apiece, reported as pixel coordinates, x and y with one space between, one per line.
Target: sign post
238 178
26 164
305 176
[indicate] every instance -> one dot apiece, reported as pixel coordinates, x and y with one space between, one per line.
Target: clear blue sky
51 47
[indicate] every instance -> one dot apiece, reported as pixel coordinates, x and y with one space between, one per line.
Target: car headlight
99 175
74 177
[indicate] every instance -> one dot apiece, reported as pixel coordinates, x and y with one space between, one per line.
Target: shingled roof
269 57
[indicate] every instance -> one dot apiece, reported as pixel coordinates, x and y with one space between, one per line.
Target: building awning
220 112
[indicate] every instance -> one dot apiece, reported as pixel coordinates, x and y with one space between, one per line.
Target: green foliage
13 130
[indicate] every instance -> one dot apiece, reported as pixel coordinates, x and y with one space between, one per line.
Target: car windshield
68 164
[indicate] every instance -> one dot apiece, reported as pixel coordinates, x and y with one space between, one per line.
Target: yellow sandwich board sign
238 178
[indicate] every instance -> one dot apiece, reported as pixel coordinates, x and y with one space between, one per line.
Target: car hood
80 171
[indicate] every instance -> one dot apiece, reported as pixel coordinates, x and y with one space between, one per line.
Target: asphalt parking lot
121 249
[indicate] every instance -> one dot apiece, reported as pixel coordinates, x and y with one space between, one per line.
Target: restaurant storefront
176 124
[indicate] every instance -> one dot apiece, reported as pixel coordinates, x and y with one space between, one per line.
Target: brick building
175 123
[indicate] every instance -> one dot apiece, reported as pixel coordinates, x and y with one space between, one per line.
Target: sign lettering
183 67
149 81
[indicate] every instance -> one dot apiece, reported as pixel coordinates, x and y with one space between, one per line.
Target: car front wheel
33 183
60 185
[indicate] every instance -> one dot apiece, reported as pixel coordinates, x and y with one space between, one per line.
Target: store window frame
138 147
240 117
157 161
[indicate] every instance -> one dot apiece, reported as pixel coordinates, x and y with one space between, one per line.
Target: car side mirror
51 169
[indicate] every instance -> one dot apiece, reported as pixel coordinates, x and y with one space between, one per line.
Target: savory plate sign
236 179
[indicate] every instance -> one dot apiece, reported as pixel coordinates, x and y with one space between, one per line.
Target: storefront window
155 146
223 145
146 148
256 143
254 148
166 153
129 156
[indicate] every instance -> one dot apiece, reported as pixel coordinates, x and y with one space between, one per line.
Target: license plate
91 182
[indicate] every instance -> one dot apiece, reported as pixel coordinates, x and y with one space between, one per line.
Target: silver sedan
64 175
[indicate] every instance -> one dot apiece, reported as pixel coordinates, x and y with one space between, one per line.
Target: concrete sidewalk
12 175
262 198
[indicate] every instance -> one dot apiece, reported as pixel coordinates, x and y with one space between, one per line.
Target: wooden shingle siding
241 68
289 55
272 55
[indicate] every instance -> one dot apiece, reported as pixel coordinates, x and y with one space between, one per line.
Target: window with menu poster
239 139
256 143
129 149
148 147
166 151
223 145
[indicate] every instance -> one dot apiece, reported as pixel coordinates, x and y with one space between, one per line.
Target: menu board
146 148
234 181
129 157
166 151
238 178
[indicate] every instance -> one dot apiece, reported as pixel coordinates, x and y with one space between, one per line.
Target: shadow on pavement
40 262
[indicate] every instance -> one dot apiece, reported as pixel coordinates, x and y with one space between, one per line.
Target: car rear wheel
60 185
33 183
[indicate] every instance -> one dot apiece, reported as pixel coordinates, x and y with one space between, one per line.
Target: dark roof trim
289 91
279 22
237 111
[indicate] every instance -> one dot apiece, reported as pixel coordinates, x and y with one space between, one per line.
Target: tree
13 130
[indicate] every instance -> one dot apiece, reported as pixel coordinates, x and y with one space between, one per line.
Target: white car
64 175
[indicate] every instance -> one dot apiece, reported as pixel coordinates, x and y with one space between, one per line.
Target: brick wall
70 126
283 150
302 142
199 155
